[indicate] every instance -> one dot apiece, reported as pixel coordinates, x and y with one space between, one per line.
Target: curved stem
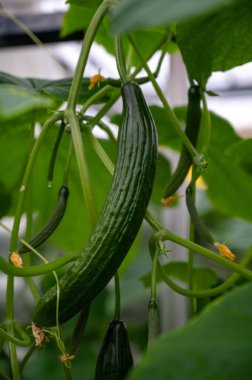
120 60
117 312
86 46
24 342
36 270
26 177
165 234
82 164
170 114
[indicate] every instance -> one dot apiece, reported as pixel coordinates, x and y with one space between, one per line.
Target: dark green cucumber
115 357
51 224
191 131
120 218
55 151
195 218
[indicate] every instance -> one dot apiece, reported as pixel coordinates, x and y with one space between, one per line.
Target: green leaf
217 42
229 184
167 136
85 3
230 192
137 14
15 102
203 278
55 89
241 153
75 19
214 346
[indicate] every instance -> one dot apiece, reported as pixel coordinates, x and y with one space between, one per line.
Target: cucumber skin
191 131
55 219
115 357
120 219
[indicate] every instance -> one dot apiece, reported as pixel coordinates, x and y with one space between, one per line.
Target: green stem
27 356
165 234
120 60
192 304
67 372
170 114
24 342
206 125
100 152
26 178
79 329
154 276
68 163
230 281
117 312
107 89
86 46
10 329
81 163
36 270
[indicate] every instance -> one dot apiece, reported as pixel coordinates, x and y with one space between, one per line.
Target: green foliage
216 42
138 14
205 348
211 35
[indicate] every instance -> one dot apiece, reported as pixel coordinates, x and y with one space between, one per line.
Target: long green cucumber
192 131
46 231
120 218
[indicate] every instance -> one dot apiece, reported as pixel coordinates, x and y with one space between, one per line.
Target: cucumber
195 218
51 224
192 131
115 357
120 219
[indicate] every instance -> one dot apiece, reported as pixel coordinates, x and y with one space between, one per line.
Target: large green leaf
86 3
137 14
229 184
78 18
217 42
241 153
15 102
214 346
55 89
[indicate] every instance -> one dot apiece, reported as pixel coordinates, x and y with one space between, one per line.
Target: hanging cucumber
192 131
115 357
120 218
51 224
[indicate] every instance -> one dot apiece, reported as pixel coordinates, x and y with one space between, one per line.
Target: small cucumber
51 224
191 131
120 218
195 218
115 357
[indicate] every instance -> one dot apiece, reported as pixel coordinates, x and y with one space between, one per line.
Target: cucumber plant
108 200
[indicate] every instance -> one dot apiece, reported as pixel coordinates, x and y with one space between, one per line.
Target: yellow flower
225 251
169 201
94 79
16 260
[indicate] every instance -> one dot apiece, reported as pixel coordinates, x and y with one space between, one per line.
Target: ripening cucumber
120 219
115 357
46 231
